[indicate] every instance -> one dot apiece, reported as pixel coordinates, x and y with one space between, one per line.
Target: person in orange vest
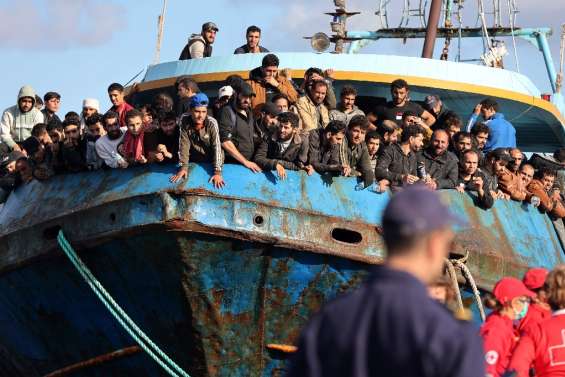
543 344
509 304
539 310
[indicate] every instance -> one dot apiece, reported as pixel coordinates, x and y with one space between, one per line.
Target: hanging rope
123 319
454 283
452 272
471 281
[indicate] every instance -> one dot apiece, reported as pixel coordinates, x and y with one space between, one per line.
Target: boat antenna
160 27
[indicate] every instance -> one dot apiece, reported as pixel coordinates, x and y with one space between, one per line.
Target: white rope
510 11
486 39
471 281
453 277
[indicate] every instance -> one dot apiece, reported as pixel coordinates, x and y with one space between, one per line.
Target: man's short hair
270 60
559 155
360 121
469 151
93 119
373 135
253 29
289 117
110 114
310 71
318 83
50 95
188 83
407 114
545 171
71 121
37 99
479 128
451 119
39 129
412 130
461 134
115 86
279 96
387 126
348 90
335 127
167 116
489 103
54 125
132 114
398 84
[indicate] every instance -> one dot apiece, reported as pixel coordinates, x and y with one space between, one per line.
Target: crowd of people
267 122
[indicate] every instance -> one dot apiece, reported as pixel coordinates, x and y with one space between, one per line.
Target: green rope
123 319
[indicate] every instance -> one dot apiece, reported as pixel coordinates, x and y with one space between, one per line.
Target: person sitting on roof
200 141
393 110
502 133
163 144
253 36
355 152
285 149
266 82
18 120
346 109
324 149
200 45
119 104
237 128
549 195
311 108
440 164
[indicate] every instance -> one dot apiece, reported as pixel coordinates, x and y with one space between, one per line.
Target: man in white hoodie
18 120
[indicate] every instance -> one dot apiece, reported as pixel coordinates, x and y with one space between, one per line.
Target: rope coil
123 319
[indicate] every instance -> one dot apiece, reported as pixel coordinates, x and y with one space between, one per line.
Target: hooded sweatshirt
15 126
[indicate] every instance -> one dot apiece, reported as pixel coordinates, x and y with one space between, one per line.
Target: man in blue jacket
502 133
390 326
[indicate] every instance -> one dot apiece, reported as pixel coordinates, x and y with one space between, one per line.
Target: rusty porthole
258 220
346 235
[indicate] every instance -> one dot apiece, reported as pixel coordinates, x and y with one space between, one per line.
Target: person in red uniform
510 303
543 344
539 310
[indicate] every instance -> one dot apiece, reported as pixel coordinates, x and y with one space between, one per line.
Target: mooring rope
123 319
451 263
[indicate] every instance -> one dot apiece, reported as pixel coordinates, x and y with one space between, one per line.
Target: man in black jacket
200 45
286 149
398 163
355 150
440 164
324 149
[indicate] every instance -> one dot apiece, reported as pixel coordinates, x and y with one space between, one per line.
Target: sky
78 47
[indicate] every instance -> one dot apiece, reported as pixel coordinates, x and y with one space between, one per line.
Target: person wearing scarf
132 148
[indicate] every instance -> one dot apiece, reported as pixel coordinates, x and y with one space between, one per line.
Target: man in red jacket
119 104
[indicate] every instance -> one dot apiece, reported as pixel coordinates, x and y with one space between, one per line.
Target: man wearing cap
237 129
225 93
18 120
267 124
285 149
390 326
539 309
52 101
434 105
200 45
266 83
509 304
200 141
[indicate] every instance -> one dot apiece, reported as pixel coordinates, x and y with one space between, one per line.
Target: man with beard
119 105
324 149
200 141
355 151
200 45
440 164
253 36
473 180
267 124
286 149
311 108
494 166
397 165
346 109
389 132
73 151
96 130
543 187
18 120
107 145
163 144
237 128
462 142
480 134
516 160
393 110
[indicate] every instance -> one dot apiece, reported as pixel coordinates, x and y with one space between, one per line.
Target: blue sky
78 47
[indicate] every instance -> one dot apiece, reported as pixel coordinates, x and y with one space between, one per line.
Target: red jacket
536 314
542 344
122 111
499 341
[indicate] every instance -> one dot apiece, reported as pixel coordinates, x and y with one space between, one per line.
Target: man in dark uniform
390 326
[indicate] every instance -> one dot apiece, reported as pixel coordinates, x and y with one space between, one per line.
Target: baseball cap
270 108
431 100
415 210
209 25
199 100
509 288
225 91
534 278
246 90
